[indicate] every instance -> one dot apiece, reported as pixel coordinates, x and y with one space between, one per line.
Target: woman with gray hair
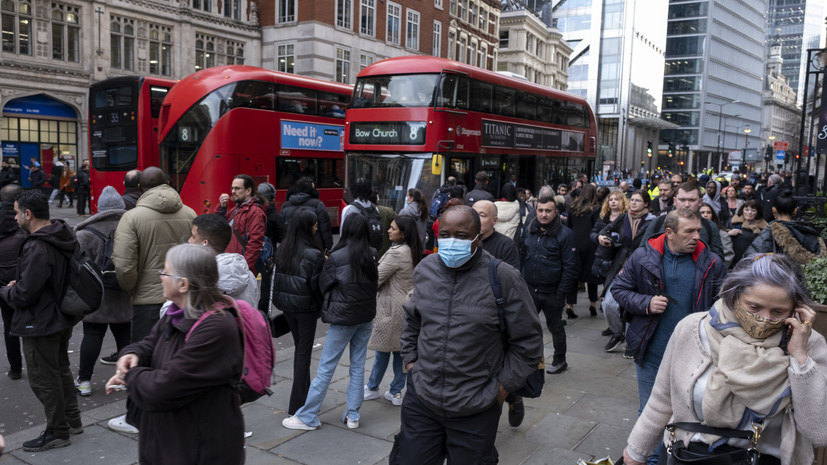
180 377
752 363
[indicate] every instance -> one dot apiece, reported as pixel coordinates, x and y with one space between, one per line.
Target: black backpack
84 286
104 261
374 223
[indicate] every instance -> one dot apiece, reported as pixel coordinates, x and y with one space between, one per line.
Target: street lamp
720 114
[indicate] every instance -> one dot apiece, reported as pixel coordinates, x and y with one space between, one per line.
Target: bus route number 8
184 134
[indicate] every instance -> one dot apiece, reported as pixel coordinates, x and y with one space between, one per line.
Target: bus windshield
392 174
407 90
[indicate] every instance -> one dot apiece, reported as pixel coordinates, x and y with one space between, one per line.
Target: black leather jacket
300 293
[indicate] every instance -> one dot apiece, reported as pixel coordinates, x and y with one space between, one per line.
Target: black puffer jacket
346 302
550 261
309 200
11 237
41 280
300 293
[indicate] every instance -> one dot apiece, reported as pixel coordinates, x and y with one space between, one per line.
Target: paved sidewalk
587 411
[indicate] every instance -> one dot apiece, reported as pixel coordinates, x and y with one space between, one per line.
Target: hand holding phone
799 328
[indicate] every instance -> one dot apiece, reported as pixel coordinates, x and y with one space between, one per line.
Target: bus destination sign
520 136
388 133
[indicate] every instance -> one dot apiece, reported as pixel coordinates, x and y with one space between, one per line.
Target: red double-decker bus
415 120
274 126
123 128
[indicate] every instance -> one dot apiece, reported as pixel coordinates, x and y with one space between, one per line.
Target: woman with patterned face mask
752 361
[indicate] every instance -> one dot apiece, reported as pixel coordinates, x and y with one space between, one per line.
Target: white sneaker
294 423
370 395
84 388
120 425
395 399
351 424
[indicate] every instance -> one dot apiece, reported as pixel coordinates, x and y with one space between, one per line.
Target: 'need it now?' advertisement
311 136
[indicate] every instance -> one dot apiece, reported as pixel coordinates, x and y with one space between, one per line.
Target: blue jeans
338 337
380 364
646 375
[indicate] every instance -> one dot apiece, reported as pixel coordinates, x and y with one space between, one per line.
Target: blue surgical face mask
455 252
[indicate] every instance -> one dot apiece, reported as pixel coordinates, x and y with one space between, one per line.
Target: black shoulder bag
698 453
534 383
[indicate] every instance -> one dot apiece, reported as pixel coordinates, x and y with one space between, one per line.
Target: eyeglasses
236 188
162 273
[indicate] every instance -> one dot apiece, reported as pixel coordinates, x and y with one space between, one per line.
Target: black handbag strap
705 429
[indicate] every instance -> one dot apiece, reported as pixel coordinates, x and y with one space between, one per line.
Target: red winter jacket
249 224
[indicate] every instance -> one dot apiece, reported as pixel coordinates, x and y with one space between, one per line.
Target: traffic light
670 150
649 149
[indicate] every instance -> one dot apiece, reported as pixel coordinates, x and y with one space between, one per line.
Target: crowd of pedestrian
701 281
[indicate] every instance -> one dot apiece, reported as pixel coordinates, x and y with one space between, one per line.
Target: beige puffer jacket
159 221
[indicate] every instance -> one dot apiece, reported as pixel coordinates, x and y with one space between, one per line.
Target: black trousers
426 438
571 299
81 199
303 329
90 346
144 318
12 342
50 377
552 308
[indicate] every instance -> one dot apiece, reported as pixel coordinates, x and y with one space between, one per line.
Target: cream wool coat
395 285
508 217
686 359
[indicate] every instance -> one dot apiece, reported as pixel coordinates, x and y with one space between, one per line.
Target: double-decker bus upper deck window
296 99
115 97
526 105
254 94
453 91
333 105
407 90
481 96
156 98
504 101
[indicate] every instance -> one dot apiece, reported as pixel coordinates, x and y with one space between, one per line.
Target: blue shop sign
311 136
39 105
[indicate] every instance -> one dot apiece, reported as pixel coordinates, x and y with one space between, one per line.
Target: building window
483 17
463 7
287 11
472 54
453 7
412 30
232 9
202 4
286 58
365 61
438 4
65 33
235 53
367 25
481 61
504 38
342 65
204 52
394 23
122 43
344 13
463 44
160 50
436 49
452 40
17 26
472 14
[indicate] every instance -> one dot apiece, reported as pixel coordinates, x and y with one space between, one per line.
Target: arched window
16 24
65 33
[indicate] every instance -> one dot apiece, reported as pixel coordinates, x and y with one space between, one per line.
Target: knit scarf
749 376
634 221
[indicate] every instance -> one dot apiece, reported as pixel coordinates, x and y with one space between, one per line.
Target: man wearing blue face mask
550 268
459 370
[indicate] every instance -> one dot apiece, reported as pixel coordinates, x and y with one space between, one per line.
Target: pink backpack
259 354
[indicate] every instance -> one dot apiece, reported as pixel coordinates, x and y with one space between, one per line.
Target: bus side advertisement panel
302 135
502 134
